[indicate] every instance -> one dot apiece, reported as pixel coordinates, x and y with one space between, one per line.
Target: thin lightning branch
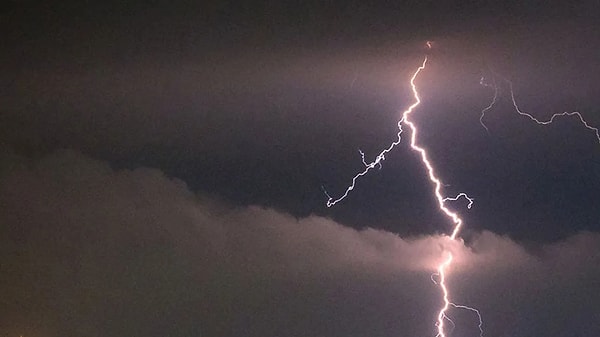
368 167
362 157
451 322
495 87
574 113
381 156
441 200
464 195
529 115
480 325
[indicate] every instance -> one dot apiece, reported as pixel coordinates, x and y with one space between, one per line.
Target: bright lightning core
437 189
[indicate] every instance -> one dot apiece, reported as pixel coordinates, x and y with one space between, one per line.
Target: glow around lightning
437 189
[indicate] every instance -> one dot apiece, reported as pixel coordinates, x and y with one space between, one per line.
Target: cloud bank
92 251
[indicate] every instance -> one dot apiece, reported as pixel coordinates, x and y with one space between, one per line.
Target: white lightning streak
482 82
464 195
441 200
424 157
368 167
480 325
441 203
574 113
381 156
437 184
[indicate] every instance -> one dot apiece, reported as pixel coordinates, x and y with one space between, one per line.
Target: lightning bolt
521 112
439 278
437 189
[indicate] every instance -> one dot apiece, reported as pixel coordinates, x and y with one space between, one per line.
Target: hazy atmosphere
162 168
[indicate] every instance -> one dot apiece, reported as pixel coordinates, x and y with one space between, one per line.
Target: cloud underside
91 251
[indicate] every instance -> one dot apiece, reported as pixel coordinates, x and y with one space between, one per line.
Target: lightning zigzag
442 316
439 278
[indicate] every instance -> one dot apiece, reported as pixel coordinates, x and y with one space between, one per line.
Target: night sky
162 168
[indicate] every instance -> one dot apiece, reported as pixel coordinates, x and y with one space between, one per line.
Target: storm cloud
88 250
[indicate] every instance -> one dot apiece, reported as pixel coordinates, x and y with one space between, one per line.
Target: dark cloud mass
264 103
92 251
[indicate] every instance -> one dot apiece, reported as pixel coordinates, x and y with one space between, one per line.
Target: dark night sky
180 149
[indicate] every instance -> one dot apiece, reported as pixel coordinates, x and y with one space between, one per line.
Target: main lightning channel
437 183
441 200
443 267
